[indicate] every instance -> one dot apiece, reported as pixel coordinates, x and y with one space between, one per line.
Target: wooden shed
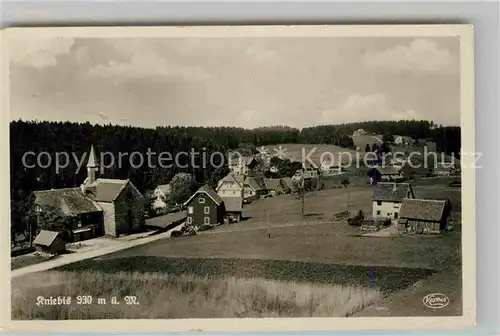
49 242
424 215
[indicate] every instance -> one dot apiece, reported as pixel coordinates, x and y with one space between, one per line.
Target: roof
166 188
388 170
206 189
391 192
107 190
272 184
257 183
235 160
238 179
423 209
69 202
287 182
45 238
166 220
233 204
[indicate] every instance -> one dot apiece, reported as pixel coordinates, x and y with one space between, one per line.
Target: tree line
52 137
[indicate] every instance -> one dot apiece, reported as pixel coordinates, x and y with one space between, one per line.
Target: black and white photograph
239 177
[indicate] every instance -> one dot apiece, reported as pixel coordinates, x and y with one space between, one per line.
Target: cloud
421 56
39 53
148 65
358 108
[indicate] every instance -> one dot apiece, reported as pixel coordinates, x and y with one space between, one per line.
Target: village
103 208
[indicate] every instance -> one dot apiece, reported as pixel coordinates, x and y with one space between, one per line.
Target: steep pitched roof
272 184
423 209
257 183
166 188
45 238
238 179
92 162
246 160
69 202
233 204
206 189
107 190
391 192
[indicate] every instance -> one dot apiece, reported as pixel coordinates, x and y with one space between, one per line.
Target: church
100 206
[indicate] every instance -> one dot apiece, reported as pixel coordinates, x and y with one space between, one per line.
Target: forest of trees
53 137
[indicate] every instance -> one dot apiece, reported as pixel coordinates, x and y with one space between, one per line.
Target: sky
244 82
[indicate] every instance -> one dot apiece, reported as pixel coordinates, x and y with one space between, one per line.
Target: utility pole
268 226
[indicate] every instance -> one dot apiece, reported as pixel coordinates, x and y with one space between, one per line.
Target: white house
231 186
387 199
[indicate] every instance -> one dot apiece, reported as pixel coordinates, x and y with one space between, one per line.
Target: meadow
161 295
273 263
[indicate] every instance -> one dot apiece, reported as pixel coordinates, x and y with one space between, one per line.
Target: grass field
302 256
160 295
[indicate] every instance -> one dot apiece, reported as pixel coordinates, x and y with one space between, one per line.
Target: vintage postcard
238 178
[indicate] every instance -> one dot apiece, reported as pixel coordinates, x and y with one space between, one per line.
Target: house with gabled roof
242 165
424 215
254 187
204 207
274 186
49 242
231 185
387 199
99 206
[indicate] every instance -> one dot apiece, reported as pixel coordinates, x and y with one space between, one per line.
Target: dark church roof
391 192
106 190
68 202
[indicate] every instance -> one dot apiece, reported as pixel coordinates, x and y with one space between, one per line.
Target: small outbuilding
424 215
233 207
49 242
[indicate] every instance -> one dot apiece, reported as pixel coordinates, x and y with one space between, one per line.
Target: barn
424 215
49 242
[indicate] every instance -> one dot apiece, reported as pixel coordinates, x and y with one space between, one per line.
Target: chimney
92 166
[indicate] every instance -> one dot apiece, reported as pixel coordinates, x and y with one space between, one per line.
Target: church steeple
92 166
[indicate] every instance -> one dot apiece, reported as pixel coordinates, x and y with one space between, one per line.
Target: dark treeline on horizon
52 137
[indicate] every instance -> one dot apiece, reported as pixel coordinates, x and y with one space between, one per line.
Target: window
189 220
206 210
379 202
207 220
396 215
201 200
190 210
234 192
378 212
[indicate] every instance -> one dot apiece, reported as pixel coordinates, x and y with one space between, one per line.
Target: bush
176 233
